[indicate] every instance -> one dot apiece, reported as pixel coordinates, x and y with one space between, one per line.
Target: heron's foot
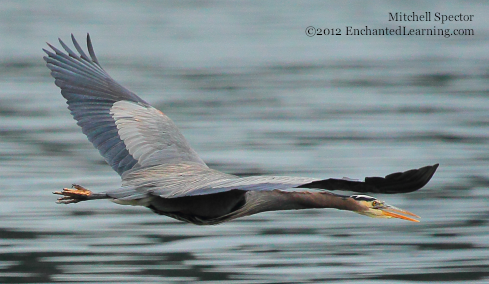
73 195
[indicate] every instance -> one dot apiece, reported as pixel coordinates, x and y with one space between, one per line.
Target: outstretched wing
187 179
401 182
128 132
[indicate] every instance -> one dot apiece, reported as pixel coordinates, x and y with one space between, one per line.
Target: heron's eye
375 203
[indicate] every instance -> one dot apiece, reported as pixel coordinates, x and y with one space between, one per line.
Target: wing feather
150 136
192 179
401 182
126 130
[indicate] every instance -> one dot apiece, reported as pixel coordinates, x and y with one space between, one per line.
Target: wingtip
432 171
423 176
402 182
66 48
90 50
50 45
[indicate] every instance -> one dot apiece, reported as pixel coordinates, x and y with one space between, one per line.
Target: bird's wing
401 182
128 132
192 180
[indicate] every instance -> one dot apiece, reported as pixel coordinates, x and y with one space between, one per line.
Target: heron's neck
261 201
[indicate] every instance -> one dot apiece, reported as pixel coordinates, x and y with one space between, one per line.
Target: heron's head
378 209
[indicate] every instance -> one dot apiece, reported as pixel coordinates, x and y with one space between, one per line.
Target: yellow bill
393 212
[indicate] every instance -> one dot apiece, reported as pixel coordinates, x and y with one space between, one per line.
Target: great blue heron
159 170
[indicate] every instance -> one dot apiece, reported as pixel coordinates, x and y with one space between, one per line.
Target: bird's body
161 171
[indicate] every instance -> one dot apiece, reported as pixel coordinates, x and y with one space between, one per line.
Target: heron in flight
160 170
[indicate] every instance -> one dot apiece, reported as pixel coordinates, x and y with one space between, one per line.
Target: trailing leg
76 194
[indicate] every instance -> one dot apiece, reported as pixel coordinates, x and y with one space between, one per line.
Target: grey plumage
127 131
160 170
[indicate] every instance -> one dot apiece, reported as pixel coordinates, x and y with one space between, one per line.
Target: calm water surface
253 95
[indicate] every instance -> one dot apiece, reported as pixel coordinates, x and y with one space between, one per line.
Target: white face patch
363 198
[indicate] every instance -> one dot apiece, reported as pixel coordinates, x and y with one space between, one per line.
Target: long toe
66 200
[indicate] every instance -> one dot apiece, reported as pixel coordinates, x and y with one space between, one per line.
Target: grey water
253 95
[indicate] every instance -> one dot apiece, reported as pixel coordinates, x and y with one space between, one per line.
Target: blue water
253 95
